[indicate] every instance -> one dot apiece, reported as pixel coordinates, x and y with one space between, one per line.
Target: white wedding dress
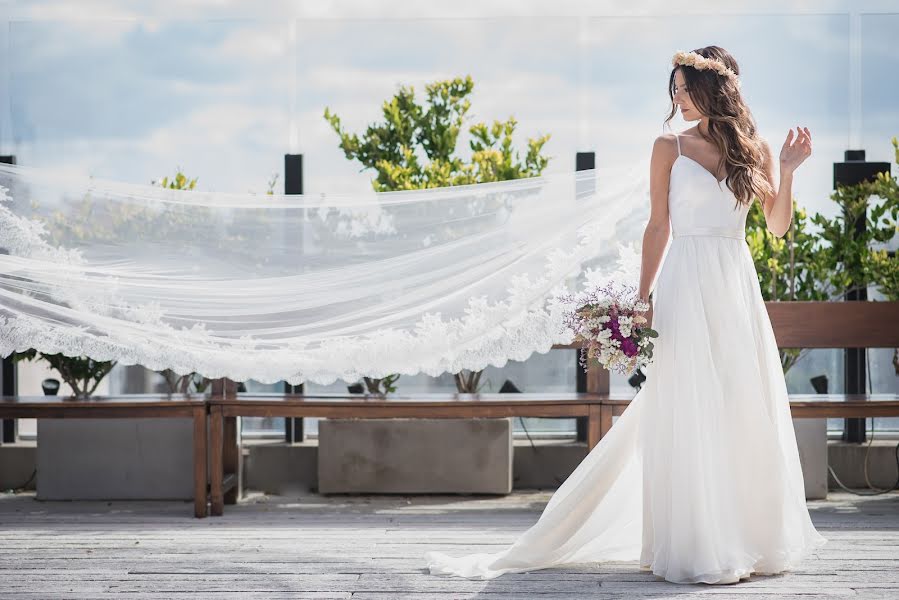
699 479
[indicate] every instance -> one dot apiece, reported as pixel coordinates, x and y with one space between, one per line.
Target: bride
699 479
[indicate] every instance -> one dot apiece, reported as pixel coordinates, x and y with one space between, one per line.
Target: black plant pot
355 388
50 387
637 378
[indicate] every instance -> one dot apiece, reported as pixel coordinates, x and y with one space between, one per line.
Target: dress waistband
730 232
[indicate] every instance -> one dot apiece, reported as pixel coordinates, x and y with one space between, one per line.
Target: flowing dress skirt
699 479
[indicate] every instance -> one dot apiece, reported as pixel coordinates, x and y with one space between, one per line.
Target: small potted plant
81 373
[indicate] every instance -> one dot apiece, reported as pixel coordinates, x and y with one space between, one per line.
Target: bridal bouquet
608 319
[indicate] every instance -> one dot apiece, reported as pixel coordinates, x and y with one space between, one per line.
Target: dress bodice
699 204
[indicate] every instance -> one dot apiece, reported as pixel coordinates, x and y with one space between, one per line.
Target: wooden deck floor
370 547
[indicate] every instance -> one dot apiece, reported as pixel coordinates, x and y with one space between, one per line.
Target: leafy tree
178 182
415 147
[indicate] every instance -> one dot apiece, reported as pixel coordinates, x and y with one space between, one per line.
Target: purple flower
613 324
629 347
614 328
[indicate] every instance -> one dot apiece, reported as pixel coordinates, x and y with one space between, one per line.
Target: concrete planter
115 459
811 437
415 456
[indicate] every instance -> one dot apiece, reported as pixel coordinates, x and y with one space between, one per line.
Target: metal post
8 371
584 161
294 430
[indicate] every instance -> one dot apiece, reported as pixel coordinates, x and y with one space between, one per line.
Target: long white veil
310 287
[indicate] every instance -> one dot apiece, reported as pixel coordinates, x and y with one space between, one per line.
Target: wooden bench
225 407
124 407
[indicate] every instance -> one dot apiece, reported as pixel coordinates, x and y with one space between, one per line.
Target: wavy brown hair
731 127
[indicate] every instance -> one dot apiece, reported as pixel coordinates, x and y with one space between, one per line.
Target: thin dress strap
677 137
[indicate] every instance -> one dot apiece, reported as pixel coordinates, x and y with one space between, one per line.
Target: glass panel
263 426
816 362
883 379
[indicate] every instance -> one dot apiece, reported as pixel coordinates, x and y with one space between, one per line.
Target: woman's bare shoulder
665 146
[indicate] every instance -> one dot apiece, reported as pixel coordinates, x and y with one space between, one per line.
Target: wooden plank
216 464
424 400
231 458
276 409
835 324
200 461
119 411
594 426
598 379
605 417
809 410
127 400
223 387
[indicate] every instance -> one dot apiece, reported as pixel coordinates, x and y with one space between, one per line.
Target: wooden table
124 407
224 460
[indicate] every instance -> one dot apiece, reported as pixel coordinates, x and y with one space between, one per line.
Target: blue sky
130 90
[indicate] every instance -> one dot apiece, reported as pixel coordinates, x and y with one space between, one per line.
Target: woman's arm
778 207
655 237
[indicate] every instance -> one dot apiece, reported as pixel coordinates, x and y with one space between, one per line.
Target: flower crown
700 62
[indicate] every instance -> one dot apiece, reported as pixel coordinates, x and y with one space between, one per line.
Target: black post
852 171
293 173
8 371
293 184
583 162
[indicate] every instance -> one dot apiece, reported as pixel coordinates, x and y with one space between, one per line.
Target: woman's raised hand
795 151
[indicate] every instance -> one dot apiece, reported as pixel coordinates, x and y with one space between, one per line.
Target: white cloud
257 42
